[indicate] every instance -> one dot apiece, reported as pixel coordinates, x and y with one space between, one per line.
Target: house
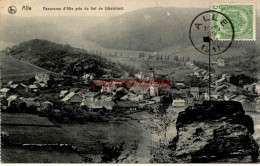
221 62
221 88
250 87
257 101
194 91
204 73
180 83
10 83
110 87
178 103
232 88
189 101
33 88
139 76
63 93
126 105
4 92
241 98
21 87
89 96
88 76
42 77
96 105
42 85
220 81
133 97
67 97
31 101
153 91
189 64
257 88
145 91
47 105
213 95
104 97
196 73
76 99
11 98
13 86
229 96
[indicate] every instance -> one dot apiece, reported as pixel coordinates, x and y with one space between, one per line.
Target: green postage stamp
243 18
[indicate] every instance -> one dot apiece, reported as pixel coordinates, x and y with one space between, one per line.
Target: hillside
150 29
13 69
60 29
59 58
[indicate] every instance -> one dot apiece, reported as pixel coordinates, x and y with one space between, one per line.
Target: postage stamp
243 18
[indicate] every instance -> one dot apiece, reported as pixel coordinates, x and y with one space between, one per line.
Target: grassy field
16 70
17 155
84 137
24 119
87 136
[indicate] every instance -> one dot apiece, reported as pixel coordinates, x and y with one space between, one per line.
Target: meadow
16 70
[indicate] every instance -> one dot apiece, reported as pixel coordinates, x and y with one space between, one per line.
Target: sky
128 5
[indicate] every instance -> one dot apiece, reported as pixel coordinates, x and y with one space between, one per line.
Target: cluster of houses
14 92
221 89
120 97
111 97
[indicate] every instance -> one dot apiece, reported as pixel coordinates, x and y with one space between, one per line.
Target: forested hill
59 58
150 29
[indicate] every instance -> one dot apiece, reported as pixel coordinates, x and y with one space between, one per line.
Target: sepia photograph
130 82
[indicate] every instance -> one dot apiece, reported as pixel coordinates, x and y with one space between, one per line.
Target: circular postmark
12 10
205 28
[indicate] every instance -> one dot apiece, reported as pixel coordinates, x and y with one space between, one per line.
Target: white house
88 76
42 77
221 62
178 103
63 93
257 88
214 95
196 73
194 91
229 96
180 83
11 98
139 76
153 91
4 92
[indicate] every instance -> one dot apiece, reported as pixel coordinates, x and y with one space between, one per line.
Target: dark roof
58 79
126 104
76 99
74 90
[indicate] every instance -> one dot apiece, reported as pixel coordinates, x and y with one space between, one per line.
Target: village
45 93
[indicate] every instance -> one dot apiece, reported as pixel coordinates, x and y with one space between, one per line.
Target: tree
159 149
110 152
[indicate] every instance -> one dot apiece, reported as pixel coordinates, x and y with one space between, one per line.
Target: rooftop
4 90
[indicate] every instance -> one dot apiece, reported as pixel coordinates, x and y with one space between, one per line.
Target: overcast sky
129 5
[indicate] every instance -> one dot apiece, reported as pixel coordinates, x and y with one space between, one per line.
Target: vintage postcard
120 81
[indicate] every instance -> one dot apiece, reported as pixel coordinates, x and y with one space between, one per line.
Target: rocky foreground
215 132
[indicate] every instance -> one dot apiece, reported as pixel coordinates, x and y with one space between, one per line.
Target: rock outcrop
215 131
